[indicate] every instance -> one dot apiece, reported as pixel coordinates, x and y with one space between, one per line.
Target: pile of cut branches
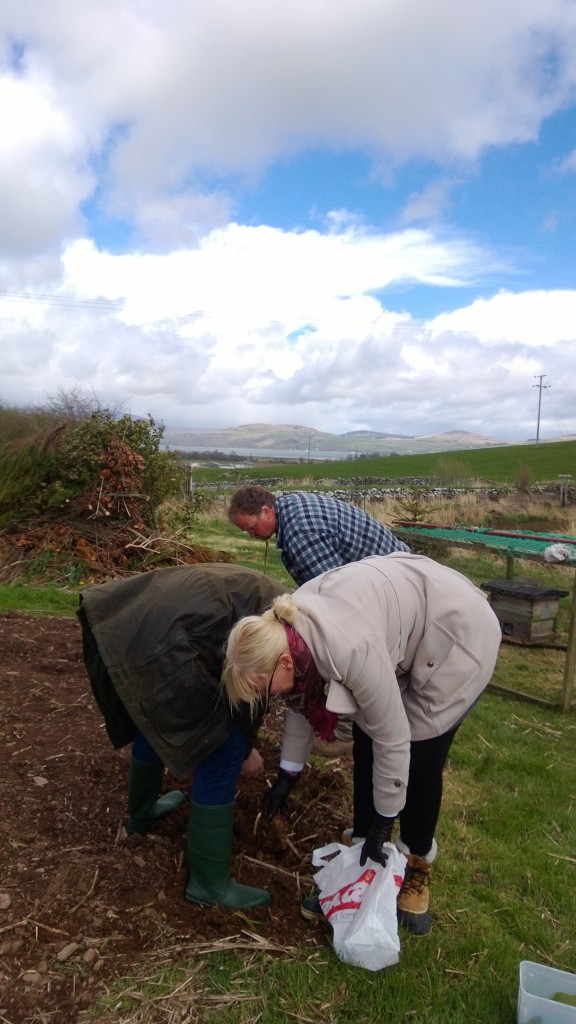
79 504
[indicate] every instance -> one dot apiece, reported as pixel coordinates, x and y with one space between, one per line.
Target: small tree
524 479
76 405
451 470
415 507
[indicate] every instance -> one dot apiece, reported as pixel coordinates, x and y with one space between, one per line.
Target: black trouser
419 816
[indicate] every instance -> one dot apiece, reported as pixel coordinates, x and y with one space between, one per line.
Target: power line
63 300
104 304
540 387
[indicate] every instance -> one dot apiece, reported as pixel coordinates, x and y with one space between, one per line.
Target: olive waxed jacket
154 649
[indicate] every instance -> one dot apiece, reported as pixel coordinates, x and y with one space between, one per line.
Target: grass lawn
503 891
503 888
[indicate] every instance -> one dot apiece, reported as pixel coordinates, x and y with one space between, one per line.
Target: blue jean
215 778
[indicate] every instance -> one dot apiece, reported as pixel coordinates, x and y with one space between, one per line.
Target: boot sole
309 915
417 924
229 906
312 913
198 901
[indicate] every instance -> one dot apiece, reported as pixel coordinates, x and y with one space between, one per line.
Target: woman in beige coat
404 644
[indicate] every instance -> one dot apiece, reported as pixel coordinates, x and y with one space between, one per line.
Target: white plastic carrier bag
360 903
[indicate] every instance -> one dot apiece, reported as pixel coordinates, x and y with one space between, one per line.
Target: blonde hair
254 647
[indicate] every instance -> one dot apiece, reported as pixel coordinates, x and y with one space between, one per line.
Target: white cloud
260 324
138 118
158 95
240 278
429 204
538 319
42 177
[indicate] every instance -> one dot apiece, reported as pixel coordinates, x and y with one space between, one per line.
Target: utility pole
540 385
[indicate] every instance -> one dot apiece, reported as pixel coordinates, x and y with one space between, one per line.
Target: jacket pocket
340 700
180 697
442 668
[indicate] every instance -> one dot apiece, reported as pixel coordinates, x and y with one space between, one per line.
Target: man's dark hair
250 500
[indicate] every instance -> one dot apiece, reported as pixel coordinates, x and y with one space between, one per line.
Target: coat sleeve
298 738
371 678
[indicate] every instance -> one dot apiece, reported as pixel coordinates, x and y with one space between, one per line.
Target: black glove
275 799
380 832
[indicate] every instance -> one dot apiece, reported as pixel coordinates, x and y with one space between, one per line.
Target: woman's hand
380 832
253 765
276 799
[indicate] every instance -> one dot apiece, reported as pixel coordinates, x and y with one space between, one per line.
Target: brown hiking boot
414 896
332 748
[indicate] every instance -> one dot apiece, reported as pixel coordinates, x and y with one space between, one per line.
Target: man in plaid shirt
314 533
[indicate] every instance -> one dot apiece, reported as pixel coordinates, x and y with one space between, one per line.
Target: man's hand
380 832
276 798
253 765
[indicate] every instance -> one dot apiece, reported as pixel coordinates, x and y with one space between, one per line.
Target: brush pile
79 503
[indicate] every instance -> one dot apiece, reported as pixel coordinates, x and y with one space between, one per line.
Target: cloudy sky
341 215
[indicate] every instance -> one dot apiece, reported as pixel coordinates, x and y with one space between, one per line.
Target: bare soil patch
83 903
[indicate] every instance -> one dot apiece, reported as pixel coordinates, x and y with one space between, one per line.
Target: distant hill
267 438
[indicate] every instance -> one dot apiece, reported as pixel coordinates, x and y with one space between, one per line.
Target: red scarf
308 697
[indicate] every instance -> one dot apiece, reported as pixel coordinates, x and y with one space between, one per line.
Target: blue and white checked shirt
315 533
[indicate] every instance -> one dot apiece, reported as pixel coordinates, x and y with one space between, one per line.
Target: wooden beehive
527 612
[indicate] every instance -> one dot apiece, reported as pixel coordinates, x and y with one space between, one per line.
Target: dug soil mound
82 903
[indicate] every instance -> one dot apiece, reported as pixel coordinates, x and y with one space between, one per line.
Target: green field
545 462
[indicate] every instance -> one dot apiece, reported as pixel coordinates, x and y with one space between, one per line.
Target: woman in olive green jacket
153 648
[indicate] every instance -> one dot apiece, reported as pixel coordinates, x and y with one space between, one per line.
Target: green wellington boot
145 806
209 849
